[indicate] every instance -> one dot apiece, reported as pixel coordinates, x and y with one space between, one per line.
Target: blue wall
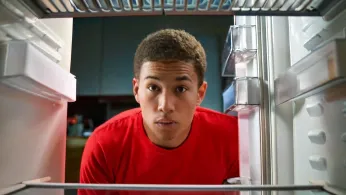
103 50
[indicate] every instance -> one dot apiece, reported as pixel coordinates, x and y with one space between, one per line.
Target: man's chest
187 167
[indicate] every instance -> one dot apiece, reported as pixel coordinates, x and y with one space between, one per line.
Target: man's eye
181 89
153 88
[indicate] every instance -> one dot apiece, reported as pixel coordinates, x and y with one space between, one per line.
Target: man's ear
135 87
201 92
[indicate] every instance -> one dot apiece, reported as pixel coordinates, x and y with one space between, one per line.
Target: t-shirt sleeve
94 168
233 170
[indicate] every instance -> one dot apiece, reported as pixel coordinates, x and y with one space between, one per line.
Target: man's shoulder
212 116
119 123
216 123
108 141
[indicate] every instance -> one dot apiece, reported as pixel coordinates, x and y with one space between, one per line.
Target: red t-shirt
120 152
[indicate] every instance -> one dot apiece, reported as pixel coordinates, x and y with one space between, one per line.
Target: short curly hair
170 45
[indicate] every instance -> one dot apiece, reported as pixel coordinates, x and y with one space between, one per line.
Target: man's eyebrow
179 78
183 78
152 77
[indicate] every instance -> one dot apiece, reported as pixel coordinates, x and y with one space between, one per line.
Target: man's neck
170 143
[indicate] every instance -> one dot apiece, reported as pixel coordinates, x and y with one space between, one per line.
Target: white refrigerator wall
32 129
325 159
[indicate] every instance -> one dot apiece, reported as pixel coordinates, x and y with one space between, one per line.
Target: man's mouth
165 122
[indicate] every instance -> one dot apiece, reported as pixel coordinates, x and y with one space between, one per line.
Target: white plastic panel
65 33
319 149
25 68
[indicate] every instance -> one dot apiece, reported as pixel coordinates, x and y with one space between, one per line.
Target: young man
169 139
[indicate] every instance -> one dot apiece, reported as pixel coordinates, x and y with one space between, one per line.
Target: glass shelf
322 70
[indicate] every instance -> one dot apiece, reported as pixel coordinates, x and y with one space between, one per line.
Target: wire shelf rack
95 8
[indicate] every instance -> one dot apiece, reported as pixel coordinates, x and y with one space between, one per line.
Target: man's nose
166 102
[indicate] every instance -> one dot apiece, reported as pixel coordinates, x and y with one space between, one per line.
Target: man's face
168 95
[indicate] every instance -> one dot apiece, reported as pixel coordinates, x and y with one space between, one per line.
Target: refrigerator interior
280 140
33 129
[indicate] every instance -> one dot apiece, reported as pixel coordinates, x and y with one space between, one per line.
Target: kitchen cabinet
119 46
213 99
104 48
87 55
74 153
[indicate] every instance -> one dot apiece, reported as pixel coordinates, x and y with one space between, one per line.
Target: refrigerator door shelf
24 67
246 94
239 51
321 70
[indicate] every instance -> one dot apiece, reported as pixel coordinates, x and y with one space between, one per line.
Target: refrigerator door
247 89
310 99
33 127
